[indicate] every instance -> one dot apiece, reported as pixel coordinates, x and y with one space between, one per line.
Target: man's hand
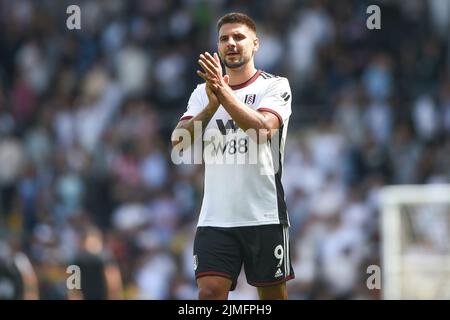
214 103
212 71
246 118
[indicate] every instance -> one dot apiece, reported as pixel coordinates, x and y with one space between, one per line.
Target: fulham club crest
250 99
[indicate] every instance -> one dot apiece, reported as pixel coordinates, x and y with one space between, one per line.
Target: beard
235 64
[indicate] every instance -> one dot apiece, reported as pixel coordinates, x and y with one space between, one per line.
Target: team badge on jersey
250 99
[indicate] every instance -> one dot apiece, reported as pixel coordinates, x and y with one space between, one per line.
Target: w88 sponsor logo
238 145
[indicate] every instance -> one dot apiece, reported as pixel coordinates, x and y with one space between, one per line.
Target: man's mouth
232 54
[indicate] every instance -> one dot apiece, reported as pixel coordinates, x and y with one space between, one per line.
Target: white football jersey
242 178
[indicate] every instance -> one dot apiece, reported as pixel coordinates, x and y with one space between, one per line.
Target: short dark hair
236 17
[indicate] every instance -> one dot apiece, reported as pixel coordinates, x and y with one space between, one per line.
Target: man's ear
255 45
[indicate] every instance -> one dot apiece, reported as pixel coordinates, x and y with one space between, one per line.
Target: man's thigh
217 252
267 259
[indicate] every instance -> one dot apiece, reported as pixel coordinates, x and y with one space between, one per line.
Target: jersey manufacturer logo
285 96
195 262
250 99
278 273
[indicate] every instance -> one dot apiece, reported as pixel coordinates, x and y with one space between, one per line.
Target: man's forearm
245 117
204 117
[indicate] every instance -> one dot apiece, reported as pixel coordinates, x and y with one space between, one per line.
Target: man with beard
243 219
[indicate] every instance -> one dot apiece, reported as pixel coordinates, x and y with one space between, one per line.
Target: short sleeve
277 99
195 103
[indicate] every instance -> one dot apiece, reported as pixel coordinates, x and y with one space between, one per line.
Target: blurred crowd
86 176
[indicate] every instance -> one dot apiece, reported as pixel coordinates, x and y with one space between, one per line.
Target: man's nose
231 43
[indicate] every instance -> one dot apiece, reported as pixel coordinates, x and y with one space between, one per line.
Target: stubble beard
234 65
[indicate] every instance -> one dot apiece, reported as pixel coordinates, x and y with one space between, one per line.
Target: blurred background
86 115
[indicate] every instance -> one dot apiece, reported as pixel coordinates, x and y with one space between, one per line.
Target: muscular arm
246 118
204 117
